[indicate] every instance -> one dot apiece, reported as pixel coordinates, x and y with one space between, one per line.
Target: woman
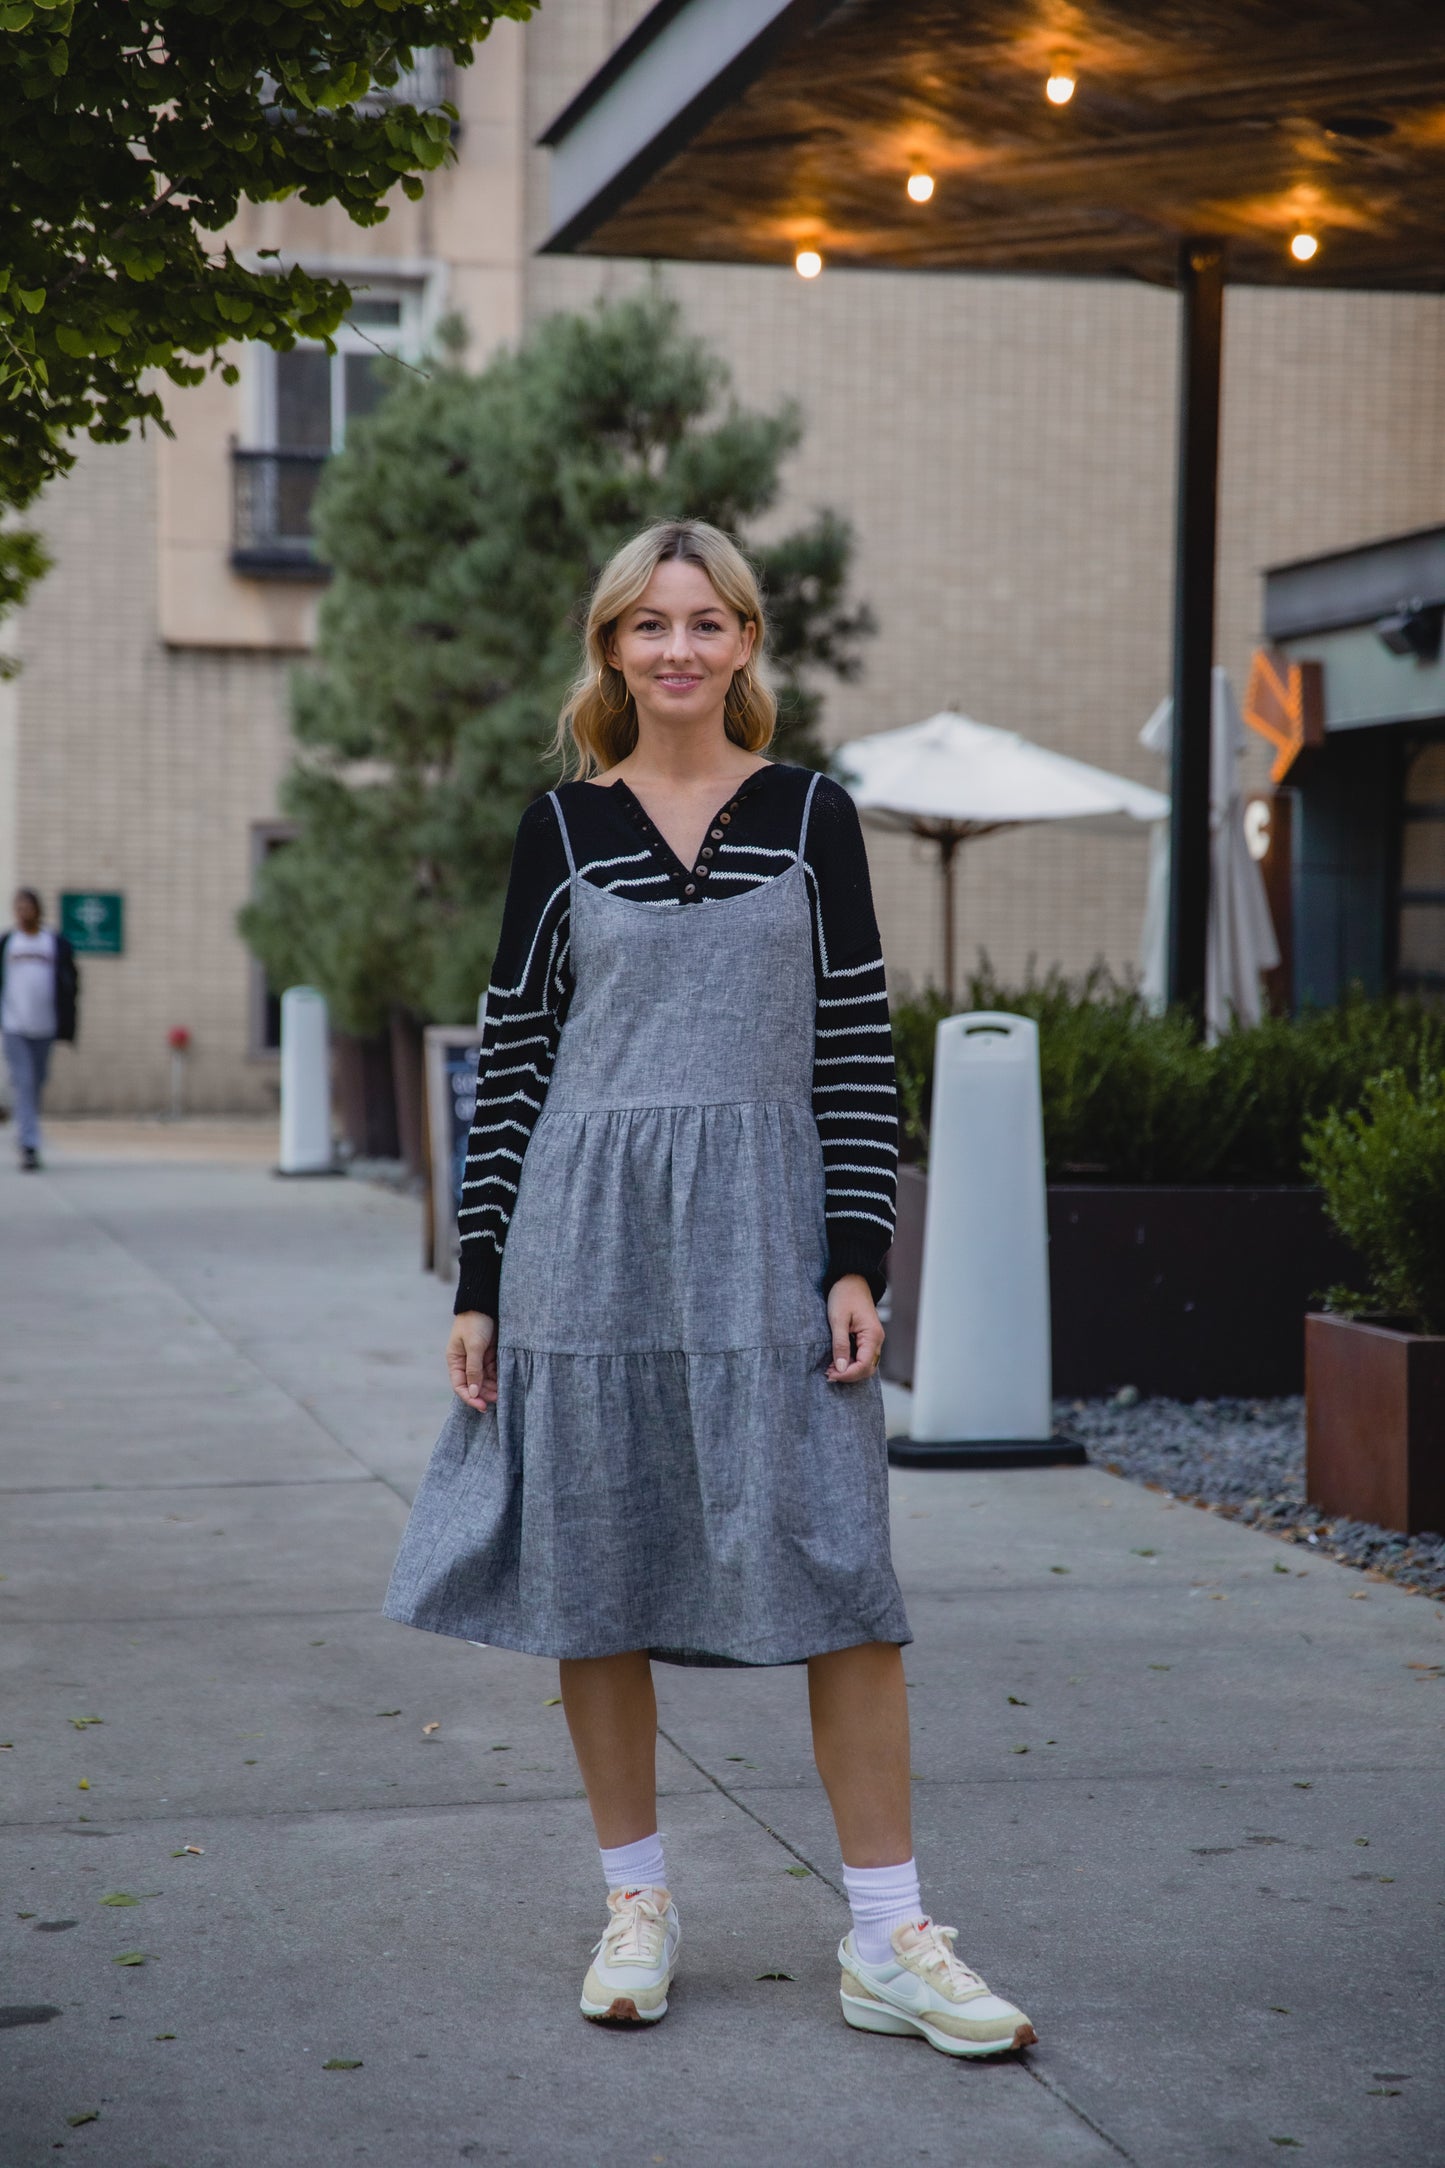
679 1190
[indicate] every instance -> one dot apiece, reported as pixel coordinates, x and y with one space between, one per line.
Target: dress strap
566 839
807 809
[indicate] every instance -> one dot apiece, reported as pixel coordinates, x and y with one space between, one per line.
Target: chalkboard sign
452 1055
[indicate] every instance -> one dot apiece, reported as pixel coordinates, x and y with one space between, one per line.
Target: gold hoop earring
607 704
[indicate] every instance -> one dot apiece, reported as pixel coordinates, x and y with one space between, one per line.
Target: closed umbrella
1241 941
950 779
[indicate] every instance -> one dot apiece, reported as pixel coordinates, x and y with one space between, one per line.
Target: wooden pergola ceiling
1250 120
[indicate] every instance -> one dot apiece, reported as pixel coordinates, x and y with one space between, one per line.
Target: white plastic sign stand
982 1372
305 1084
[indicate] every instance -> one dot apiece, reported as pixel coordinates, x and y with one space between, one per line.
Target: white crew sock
881 1898
634 1866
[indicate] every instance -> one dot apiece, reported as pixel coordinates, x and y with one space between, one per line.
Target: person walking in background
39 990
668 1438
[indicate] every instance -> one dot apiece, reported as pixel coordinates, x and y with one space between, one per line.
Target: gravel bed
1246 1459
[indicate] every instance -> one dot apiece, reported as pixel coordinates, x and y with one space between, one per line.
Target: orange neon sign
1285 703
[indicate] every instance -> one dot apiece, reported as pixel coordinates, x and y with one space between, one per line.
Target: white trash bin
305 1084
982 1376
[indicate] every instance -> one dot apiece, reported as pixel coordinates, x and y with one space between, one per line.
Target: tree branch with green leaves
132 132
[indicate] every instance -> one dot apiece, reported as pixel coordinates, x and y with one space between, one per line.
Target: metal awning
738 131
1197 142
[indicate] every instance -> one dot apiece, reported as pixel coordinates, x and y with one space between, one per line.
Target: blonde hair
598 723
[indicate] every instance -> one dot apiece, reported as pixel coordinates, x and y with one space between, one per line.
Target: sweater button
717 835
706 852
689 890
724 818
701 872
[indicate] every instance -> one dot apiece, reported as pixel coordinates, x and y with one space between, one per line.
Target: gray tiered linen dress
667 1466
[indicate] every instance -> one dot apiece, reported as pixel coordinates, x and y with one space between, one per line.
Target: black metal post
947 845
1201 291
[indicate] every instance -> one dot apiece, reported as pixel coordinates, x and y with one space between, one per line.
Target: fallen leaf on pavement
428 1729
120 1897
86 2115
1161 1667
797 1870
83 1785
1018 1750
131 1957
163 2036
775 1976
553 1701
1360 1595
1058 1569
25 1915
388 1712
1015 1703
339 2062
81 1722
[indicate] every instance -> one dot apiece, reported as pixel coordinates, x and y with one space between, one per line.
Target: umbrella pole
947 845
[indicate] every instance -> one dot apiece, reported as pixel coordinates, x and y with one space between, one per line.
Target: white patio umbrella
950 779
1241 937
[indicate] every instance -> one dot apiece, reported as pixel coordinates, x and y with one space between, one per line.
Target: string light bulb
807 263
920 187
1303 247
1060 87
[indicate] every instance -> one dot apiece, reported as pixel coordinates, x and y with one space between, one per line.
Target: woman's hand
472 1359
857 1331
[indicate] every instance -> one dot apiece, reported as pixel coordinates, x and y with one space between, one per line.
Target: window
306 400
267 837
1421 950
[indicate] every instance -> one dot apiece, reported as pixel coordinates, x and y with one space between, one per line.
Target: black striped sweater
618 848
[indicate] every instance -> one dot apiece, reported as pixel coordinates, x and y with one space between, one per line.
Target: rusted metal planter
1375 1424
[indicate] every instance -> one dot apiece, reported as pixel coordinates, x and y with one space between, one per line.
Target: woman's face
679 645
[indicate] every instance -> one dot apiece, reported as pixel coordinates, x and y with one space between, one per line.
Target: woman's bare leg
611 1713
859 1706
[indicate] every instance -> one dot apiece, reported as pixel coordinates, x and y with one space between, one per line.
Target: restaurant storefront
1351 693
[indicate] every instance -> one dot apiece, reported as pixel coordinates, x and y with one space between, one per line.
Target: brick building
1004 447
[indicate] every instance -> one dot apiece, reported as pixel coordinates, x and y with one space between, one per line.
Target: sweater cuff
481 1279
852 1252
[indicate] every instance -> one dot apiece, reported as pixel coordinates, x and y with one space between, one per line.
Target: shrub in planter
1132 1097
1186 1242
1375 1360
1381 1166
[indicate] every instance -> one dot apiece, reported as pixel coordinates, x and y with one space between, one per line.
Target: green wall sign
93 921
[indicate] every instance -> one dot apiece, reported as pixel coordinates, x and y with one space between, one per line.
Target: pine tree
464 524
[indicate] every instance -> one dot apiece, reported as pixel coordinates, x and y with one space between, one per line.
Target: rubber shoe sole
866 2015
601 2009
623 2011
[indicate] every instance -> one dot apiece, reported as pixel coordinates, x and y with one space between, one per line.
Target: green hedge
1132 1097
1381 1166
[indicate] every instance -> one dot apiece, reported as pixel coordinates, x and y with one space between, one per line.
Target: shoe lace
634 1934
937 1956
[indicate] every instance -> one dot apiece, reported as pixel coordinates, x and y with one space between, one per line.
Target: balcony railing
272 496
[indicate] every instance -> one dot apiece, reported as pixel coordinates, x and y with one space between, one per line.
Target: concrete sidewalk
1180 1793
